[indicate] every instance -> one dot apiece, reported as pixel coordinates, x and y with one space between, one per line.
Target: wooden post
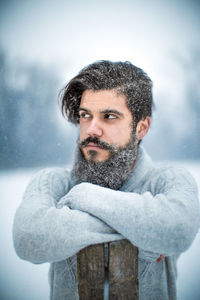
91 273
122 271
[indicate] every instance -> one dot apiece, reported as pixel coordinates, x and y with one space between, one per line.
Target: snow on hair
124 77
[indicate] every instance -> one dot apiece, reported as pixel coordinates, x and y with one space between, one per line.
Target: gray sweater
157 210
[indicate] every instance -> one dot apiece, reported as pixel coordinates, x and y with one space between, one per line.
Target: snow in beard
111 173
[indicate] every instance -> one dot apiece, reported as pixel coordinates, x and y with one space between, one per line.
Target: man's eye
109 116
84 115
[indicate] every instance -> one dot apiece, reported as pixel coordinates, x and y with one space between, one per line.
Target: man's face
104 115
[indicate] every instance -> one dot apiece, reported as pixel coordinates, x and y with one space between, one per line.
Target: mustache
98 142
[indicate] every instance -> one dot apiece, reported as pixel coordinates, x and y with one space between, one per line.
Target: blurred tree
175 128
30 134
191 69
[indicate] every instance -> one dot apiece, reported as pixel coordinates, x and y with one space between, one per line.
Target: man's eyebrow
84 109
112 111
105 111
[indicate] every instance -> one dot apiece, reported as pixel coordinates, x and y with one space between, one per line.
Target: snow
21 280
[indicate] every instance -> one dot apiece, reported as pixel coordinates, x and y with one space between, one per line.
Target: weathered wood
91 273
123 271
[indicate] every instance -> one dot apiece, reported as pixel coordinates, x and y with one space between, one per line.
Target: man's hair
124 77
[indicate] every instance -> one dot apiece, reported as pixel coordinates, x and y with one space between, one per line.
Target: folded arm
166 222
44 233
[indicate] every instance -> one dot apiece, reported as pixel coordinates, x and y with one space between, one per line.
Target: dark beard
111 173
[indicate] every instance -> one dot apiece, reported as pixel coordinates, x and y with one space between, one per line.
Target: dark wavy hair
124 77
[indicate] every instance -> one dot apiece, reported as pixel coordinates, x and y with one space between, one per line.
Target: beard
111 173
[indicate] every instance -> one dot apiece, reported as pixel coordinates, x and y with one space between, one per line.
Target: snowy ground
20 280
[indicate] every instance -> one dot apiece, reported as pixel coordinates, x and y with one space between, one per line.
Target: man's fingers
160 258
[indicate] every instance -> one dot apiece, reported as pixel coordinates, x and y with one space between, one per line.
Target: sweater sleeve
42 232
164 220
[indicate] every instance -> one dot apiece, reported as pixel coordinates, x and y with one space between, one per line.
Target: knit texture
157 210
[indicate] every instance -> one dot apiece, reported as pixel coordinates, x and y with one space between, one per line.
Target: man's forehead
115 91
103 99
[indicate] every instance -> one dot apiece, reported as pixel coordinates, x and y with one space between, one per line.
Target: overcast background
44 43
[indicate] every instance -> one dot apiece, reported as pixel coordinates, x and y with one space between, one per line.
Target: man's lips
93 145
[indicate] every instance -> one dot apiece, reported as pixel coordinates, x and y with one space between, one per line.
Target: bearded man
113 192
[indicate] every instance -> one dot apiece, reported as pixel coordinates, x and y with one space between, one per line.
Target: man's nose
94 128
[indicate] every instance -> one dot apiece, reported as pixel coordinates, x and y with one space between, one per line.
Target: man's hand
160 258
76 197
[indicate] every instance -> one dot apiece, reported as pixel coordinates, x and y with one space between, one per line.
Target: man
113 192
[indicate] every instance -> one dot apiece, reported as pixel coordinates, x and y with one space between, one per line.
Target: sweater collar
142 167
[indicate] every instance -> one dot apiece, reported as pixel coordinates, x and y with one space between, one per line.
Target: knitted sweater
157 210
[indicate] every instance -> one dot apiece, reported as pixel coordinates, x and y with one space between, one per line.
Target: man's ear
143 127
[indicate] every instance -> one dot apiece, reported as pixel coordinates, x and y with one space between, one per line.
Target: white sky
75 33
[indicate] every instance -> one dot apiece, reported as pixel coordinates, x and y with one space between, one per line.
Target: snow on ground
21 280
